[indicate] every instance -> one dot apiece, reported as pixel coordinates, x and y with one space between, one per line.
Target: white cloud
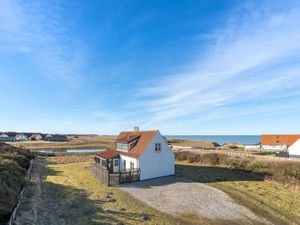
37 29
252 58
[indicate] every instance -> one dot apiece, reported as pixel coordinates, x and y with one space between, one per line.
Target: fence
101 174
115 179
129 176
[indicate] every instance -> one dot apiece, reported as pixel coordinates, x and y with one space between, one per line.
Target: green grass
266 199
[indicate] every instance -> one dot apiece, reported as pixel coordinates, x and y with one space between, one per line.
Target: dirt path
176 195
33 203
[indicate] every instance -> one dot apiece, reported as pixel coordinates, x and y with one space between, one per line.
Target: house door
116 166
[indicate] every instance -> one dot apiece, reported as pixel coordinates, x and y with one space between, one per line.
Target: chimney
136 129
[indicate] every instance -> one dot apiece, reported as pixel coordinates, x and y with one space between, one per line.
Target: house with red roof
144 151
282 142
37 137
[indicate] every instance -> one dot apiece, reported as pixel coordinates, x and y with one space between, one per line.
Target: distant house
21 137
6 138
252 147
145 154
55 137
281 142
35 137
48 137
294 149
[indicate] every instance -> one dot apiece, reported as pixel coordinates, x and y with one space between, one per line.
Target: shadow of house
202 174
207 174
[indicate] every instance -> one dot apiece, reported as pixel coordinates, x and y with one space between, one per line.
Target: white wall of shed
294 150
128 160
157 164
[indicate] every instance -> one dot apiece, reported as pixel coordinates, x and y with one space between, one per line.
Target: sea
220 139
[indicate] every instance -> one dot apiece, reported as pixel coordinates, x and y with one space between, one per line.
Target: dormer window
122 146
157 147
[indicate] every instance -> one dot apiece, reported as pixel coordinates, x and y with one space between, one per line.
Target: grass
14 163
266 199
281 171
71 192
81 142
195 144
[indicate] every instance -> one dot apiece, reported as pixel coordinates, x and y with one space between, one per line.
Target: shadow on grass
197 173
63 204
207 174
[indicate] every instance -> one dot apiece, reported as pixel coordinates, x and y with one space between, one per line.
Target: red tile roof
127 139
108 154
279 139
144 138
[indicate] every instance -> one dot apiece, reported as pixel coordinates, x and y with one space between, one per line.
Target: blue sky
183 67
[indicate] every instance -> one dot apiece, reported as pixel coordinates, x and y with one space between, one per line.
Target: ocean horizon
220 139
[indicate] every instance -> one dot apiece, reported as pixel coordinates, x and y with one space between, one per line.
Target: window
103 163
157 147
97 160
116 162
122 146
131 165
124 164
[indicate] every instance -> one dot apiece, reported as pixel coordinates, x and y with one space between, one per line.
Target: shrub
210 159
181 156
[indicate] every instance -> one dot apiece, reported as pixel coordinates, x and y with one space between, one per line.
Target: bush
292 172
210 159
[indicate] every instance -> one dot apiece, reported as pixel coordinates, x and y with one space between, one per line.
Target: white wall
294 150
157 164
22 137
128 160
274 147
249 147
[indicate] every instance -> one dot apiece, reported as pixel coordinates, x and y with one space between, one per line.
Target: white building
37 137
252 147
21 137
147 151
6 138
275 147
294 150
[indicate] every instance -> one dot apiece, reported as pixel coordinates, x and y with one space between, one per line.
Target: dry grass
284 172
14 163
70 158
71 190
268 200
193 144
85 142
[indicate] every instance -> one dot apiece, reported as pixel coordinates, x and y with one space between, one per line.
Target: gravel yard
175 195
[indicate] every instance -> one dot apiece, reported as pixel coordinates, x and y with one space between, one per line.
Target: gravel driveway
175 195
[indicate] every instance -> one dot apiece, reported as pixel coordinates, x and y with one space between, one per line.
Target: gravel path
175 195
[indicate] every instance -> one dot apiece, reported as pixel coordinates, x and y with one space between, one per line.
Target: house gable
154 163
143 139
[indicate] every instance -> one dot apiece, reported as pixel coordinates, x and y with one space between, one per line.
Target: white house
5 137
252 147
21 137
294 150
146 151
36 137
